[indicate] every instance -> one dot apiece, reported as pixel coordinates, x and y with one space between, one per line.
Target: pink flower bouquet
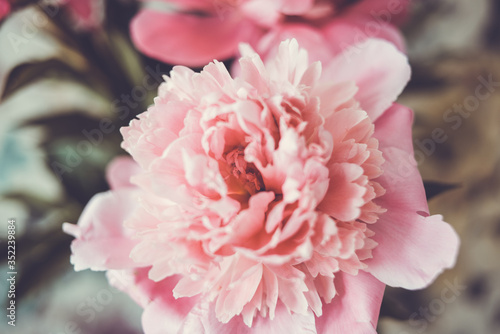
279 201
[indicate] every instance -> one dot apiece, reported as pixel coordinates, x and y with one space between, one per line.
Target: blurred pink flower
4 8
279 201
86 14
194 32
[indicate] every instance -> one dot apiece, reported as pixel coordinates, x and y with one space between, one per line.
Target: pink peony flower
194 32
282 200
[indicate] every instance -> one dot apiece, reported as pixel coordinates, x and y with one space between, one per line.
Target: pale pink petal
285 322
309 37
171 160
356 307
202 174
336 96
161 317
146 144
413 248
401 177
345 197
251 221
343 33
412 263
290 63
202 320
239 292
163 314
378 69
119 172
102 242
252 69
188 39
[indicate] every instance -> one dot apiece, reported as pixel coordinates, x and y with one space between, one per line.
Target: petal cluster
260 183
270 201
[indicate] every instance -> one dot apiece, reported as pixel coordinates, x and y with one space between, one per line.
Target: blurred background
67 86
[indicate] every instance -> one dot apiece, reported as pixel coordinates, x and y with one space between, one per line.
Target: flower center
246 175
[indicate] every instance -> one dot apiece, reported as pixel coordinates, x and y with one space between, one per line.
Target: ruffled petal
345 198
202 320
